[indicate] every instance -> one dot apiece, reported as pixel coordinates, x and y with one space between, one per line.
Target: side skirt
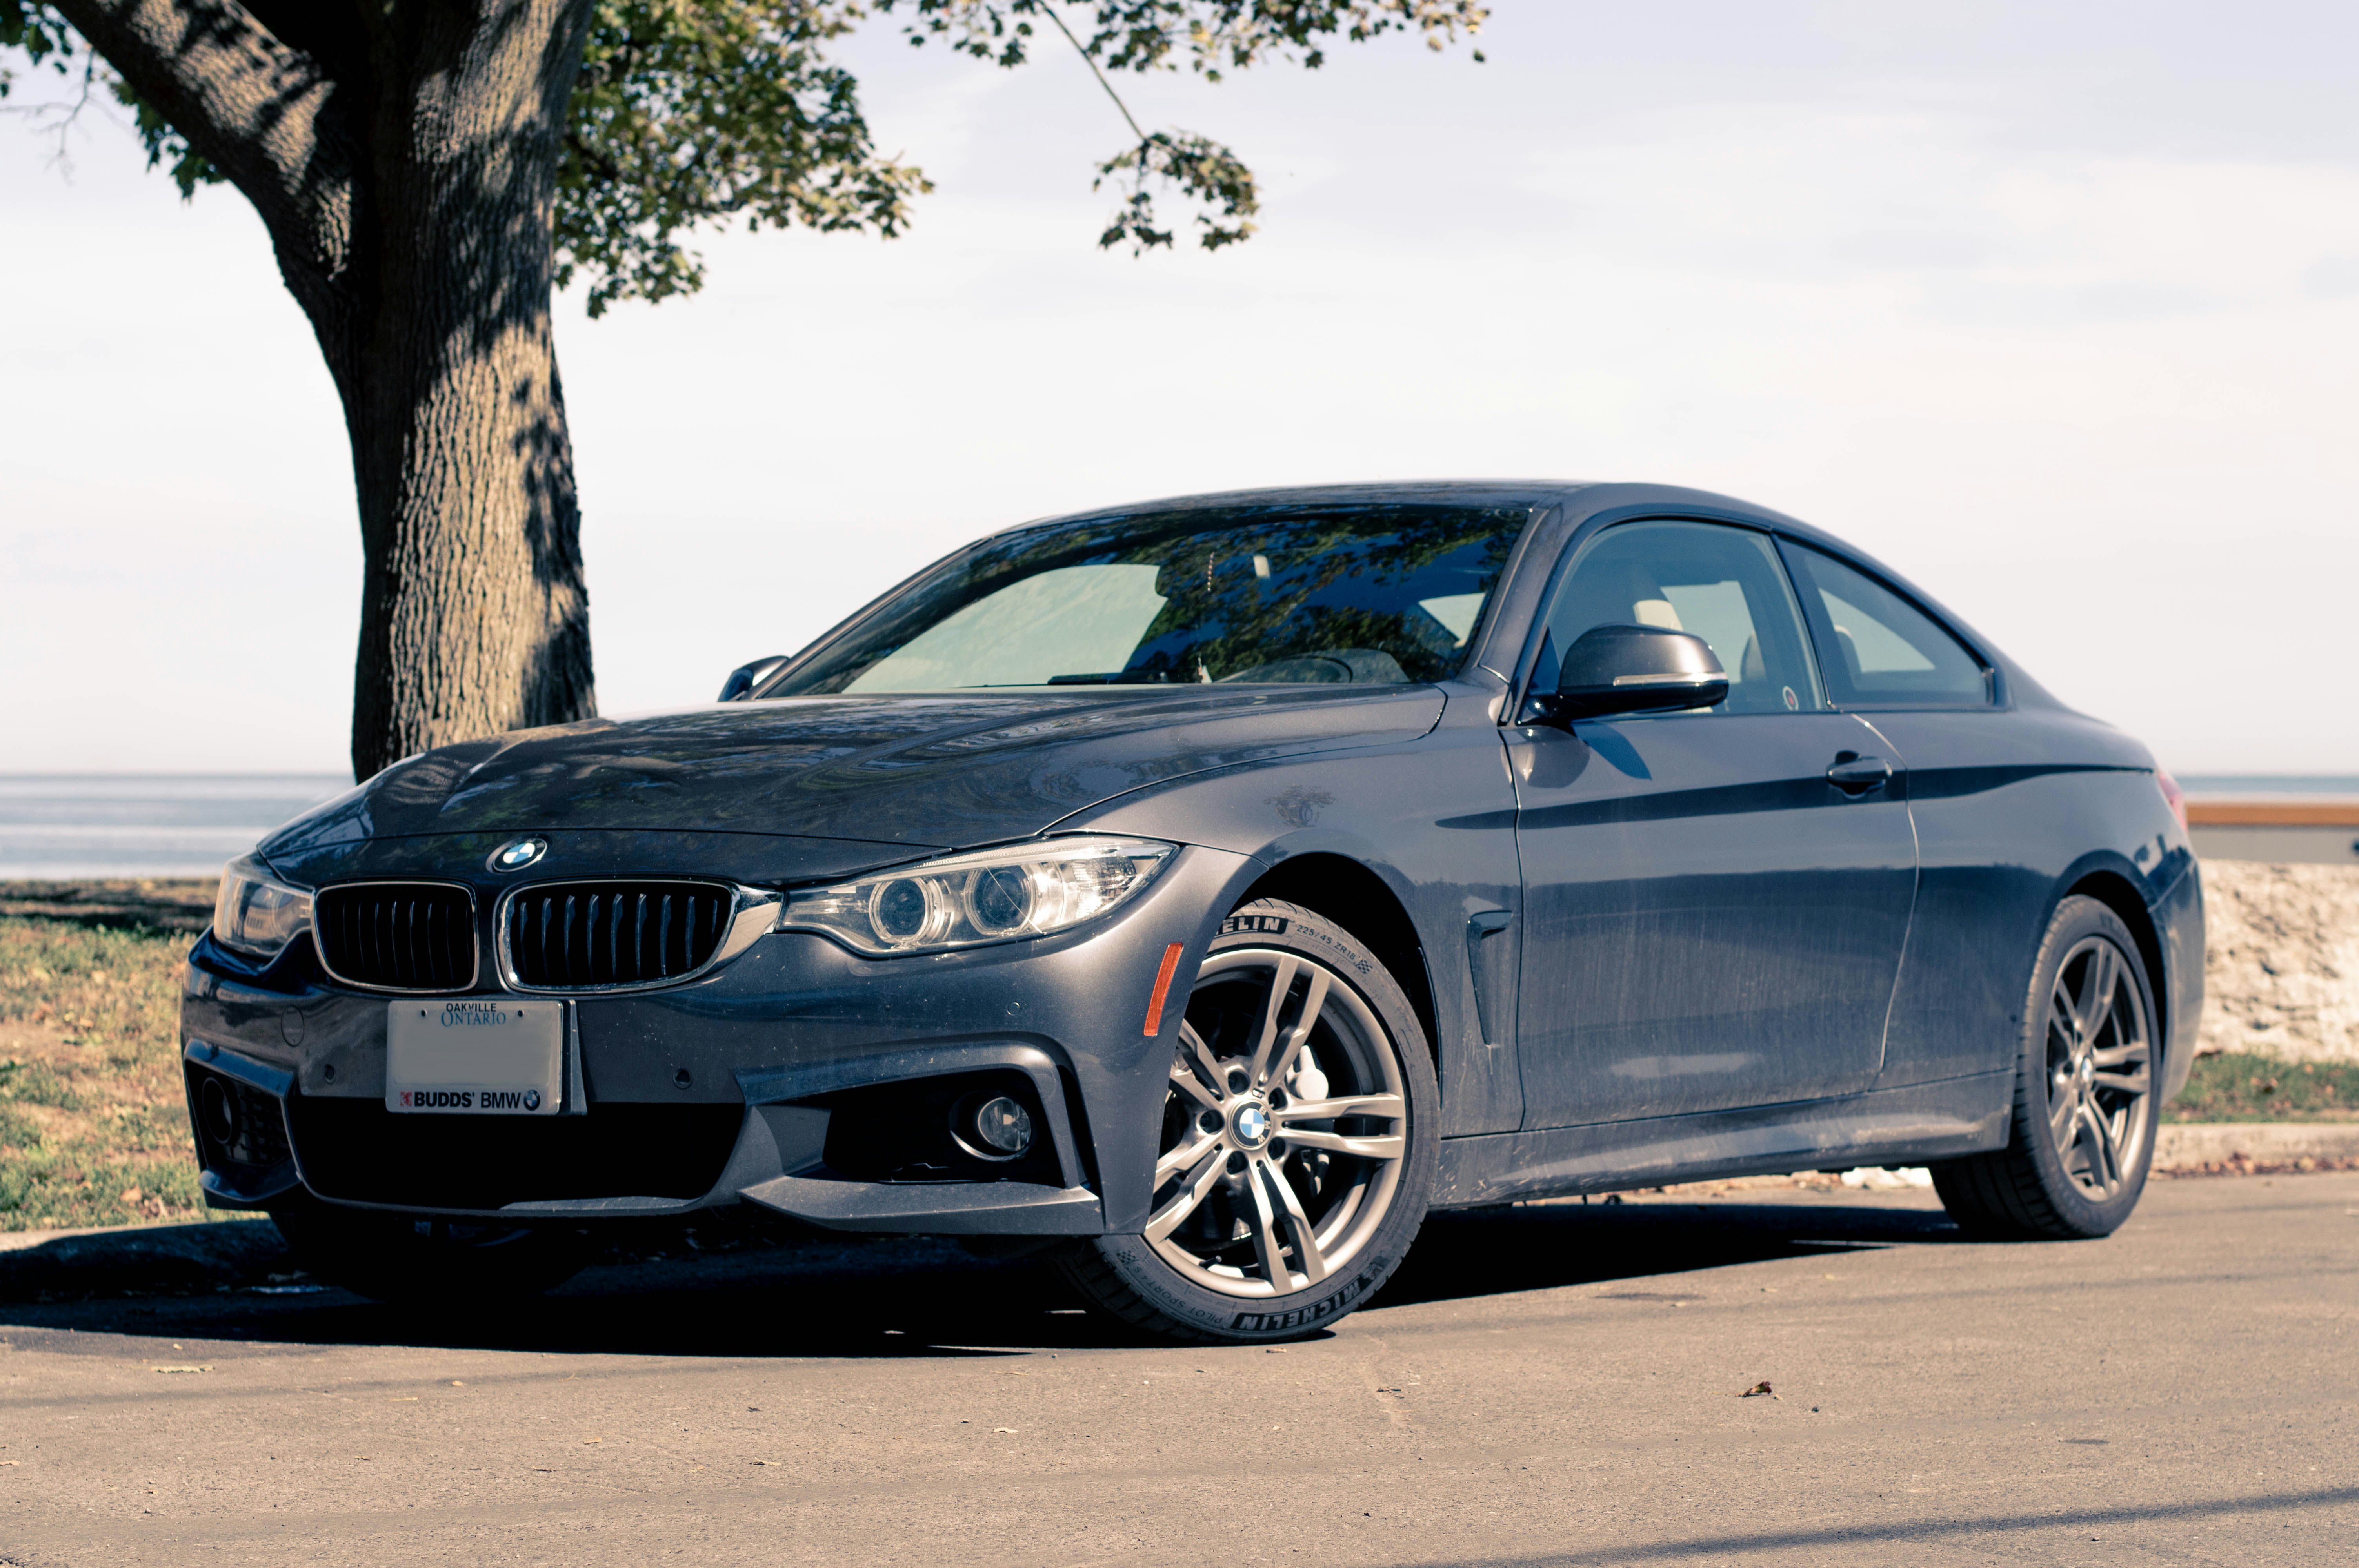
1889 1127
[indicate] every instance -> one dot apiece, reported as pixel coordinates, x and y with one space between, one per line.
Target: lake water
186 825
72 826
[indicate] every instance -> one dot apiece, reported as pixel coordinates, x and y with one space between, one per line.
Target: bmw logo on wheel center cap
518 855
1251 1124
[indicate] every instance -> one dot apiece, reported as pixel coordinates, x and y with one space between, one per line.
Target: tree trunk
404 160
474 617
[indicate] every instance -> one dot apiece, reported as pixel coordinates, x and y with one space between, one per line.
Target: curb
2193 1145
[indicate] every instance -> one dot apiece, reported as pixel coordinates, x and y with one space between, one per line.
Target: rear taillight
2172 796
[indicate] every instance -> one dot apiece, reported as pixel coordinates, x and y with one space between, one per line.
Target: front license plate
476 1058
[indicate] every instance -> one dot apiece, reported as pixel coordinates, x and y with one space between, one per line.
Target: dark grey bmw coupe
1207 890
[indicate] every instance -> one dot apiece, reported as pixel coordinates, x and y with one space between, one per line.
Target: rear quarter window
1875 648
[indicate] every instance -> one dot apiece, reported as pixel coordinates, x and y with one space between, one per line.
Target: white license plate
501 1057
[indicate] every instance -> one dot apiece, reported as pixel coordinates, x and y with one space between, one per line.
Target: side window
1723 584
1878 649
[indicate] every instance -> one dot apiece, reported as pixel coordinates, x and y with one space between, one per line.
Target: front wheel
1298 1145
2083 1133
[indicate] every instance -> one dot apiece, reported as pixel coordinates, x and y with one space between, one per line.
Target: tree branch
1087 58
259 111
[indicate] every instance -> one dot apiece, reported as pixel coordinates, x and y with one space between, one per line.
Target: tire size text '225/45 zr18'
1297 1146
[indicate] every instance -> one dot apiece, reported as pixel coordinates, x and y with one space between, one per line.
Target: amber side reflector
1163 988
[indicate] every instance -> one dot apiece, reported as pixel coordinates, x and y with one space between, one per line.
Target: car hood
853 781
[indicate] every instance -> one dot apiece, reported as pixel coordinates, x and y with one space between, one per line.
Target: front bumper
798 1078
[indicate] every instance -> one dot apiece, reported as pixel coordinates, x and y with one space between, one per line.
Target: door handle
1856 775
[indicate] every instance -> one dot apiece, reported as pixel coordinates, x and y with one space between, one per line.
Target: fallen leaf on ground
184 1368
1757 1390
1009 1430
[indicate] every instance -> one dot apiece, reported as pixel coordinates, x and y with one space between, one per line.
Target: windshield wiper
1115 677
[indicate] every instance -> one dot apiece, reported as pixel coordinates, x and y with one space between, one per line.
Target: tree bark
474 615
404 160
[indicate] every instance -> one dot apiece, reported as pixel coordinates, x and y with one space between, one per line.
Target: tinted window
1878 649
1723 584
1361 595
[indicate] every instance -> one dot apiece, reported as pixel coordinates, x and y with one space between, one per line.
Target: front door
1711 920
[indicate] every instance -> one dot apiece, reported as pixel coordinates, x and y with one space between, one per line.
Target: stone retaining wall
2281 965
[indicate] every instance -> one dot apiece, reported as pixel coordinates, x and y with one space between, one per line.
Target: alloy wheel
2099 1053
1285 1127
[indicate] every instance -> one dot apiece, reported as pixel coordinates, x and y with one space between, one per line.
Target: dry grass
93 1130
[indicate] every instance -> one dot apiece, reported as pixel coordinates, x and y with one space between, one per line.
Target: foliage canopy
689 115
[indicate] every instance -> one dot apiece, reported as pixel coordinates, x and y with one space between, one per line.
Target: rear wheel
1297 1144
2083 1133
394 1257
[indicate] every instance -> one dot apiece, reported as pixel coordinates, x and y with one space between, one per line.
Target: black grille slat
405 937
590 935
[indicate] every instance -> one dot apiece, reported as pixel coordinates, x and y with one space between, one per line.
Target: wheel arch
2113 889
1360 901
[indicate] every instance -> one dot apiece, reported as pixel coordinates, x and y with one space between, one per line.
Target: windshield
1366 594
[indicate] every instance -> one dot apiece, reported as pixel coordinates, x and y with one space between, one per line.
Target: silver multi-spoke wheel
1285 1129
2098 1056
1293 1136
2089 1069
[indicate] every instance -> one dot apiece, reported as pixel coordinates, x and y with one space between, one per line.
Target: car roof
1430 492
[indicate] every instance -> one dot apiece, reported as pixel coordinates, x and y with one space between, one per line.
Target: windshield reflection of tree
1242 620
1338 580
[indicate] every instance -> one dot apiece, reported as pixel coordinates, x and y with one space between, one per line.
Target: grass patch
2238 1085
93 1130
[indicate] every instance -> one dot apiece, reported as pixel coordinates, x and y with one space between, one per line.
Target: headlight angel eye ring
1006 895
903 912
1000 900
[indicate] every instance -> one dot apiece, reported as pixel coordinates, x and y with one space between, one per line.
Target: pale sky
2052 306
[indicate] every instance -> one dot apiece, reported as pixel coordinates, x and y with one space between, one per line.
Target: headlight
993 896
256 913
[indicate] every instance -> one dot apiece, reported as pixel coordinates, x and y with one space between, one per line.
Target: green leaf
691 114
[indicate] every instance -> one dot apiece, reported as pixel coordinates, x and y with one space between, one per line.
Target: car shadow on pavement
840 1296
1534 1247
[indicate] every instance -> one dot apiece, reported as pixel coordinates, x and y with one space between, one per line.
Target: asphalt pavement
1548 1384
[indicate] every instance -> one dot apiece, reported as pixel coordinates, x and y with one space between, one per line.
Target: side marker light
1162 988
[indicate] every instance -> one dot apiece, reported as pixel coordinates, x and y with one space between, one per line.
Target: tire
423 1262
2080 1136
1248 1186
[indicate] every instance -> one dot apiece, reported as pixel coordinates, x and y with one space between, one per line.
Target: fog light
217 1110
1002 1126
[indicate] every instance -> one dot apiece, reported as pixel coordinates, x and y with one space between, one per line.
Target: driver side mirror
745 678
1630 669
